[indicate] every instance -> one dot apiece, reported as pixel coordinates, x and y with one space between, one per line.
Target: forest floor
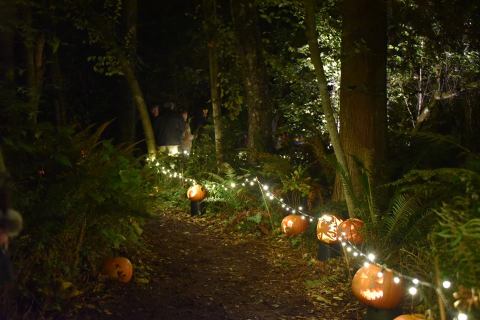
199 268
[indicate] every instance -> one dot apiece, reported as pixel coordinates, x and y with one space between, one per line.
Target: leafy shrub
82 200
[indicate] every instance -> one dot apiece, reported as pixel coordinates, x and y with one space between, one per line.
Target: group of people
173 133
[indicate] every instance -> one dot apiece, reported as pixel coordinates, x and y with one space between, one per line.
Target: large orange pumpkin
416 316
118 268
350 230
327 228
294 224
375 287
196 193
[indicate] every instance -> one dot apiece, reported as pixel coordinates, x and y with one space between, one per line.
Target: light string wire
349 247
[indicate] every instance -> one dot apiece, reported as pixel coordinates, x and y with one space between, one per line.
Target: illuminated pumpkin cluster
118 268
375 287
196 193
294 224
327 228
350 230
410 317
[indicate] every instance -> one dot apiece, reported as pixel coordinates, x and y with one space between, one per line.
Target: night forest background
367 109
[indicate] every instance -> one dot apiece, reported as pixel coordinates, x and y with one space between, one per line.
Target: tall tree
34 43
255 82
127 115
327 103
363 116
7 37
211 25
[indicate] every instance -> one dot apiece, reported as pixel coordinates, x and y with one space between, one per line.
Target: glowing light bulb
300 208
380 274
412 291
446 284
303 217
366 264
293 211
311 219
233 185
415 281
371 257
355 254
265 187
396 280
344 244
252 183
243 184
349 249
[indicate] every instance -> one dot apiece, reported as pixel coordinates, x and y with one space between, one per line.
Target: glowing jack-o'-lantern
327 228
294 224
196 193
410 317
118 268
375 287
350 230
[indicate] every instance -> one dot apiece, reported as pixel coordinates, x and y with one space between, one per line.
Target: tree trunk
326 102
34 61
137 94
7 37
59 91
245 20
363 119
209 7
127 115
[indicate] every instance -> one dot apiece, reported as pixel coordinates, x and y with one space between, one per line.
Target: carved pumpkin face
118 268
410 317
294 224
327 228
350 230
375 287
196 193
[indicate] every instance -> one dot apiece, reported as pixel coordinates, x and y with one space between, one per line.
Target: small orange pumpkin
327 228
118 268
350 230
196 193
416 316
375 287
294 224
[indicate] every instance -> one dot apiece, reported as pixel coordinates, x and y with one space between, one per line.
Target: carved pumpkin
118 268
410 317
375 287
196 193
327 228
294 224
350 230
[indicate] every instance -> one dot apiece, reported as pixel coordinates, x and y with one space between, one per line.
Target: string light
462 316
370 257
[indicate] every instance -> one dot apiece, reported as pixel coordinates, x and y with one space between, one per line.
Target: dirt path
191 268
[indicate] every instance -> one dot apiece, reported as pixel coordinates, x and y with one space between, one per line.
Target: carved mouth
372 294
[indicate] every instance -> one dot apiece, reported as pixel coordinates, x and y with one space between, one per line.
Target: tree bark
59 92
312 37
363 117
7 37
245 21
137 95
127 114
209 7
34 43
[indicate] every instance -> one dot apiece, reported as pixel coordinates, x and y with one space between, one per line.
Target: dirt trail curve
192 269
